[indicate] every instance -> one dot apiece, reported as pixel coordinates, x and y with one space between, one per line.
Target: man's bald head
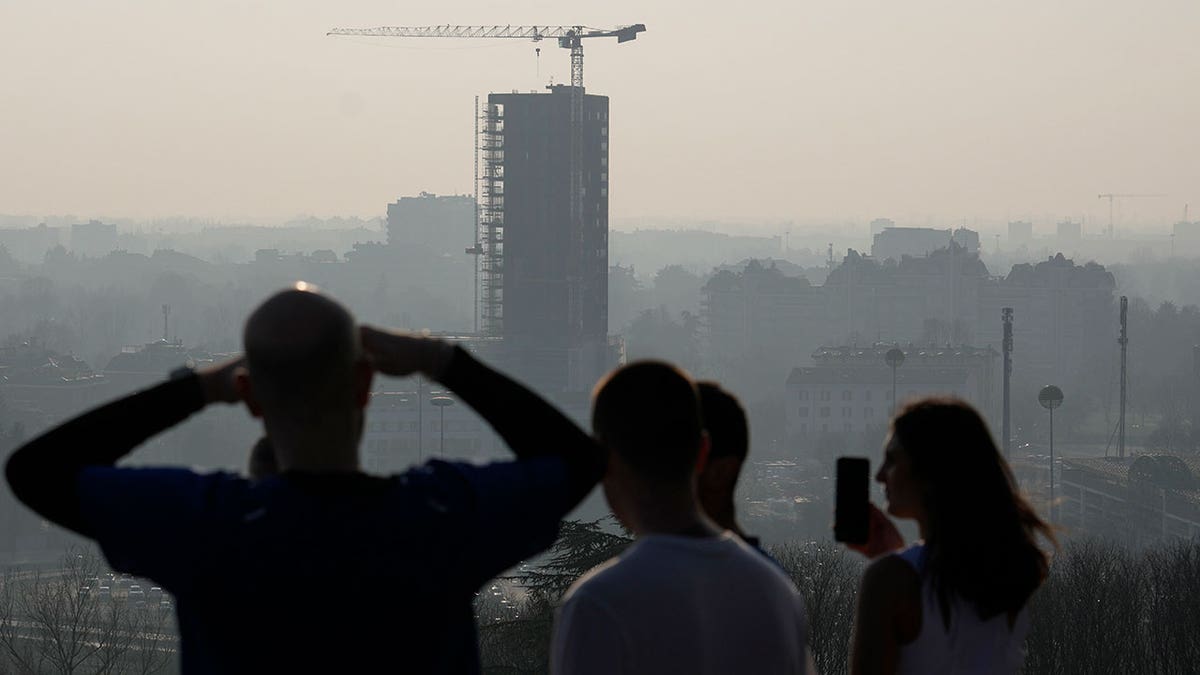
302 349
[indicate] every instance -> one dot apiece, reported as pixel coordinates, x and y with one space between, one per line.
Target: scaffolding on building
490 143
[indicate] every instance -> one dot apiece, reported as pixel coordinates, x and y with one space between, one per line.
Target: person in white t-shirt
687 596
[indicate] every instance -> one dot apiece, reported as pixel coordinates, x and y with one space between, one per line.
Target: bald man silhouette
321 567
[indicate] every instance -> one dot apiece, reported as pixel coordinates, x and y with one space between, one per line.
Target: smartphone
850 511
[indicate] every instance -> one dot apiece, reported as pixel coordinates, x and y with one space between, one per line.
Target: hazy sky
954 109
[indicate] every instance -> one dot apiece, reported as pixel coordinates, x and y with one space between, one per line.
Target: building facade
440 225
848 389
548 297
897 242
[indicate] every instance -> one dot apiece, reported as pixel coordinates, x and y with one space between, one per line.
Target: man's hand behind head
219 380
400 355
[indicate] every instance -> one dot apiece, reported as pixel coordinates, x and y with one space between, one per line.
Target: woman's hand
882 535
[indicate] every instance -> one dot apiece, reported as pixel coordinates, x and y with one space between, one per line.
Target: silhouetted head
647 416
729 441
305 372
942 467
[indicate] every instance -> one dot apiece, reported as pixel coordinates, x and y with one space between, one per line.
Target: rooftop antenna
166 312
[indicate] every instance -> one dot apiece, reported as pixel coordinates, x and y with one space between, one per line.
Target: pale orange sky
782 110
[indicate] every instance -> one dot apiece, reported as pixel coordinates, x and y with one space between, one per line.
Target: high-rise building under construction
544 256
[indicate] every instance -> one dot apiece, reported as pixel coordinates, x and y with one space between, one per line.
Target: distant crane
569 37
1111 197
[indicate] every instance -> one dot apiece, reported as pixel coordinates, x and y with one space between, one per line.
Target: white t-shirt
675 604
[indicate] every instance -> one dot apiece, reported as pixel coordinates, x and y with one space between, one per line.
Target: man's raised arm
44 472
529 425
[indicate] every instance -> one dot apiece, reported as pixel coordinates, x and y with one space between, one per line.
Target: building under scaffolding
544 273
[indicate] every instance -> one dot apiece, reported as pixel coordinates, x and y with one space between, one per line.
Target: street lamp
1051 397
894 358
442 402
420 422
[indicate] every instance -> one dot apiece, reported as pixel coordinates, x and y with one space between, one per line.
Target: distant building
759 311
545 271
879 225
871 300
966 239
1020 233
897 242
39 385
1138 501
1187 237
441 225
93 239
31 243
1064 319
848 389
1069 232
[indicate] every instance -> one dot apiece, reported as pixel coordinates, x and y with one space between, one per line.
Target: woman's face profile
899 485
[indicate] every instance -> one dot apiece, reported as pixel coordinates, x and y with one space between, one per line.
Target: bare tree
827 577
53 622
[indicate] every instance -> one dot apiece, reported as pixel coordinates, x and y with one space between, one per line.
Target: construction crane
569 37
1110 198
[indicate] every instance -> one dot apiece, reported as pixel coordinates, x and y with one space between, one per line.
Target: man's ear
241 382
702 453
364 374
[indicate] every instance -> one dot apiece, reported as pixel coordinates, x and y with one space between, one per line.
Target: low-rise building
849 389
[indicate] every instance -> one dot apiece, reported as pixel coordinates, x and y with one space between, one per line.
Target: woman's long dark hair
982 534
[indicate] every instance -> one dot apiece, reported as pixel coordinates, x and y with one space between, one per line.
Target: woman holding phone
956 601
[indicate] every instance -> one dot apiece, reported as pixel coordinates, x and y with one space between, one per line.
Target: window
604 145
888 396
848 429
803 394
804 429
847 395
825 412
824 428
824 396
603 131
868 412
867 395
847 412
803 411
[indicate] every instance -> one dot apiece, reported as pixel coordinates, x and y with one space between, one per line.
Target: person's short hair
301 347
648 413
725 422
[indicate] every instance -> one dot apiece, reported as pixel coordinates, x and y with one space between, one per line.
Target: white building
848 400
849 389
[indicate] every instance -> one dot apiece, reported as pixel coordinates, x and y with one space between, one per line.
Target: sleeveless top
971 646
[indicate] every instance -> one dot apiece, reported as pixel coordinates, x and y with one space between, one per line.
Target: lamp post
1051 397
894 358
1006 318
420 422
442 402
